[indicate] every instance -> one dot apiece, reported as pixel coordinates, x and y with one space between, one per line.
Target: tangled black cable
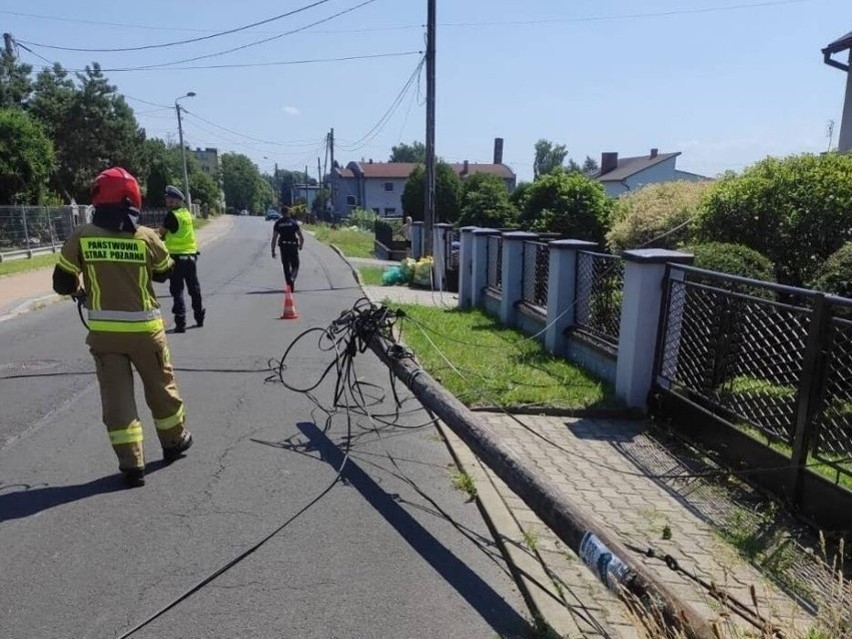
346 337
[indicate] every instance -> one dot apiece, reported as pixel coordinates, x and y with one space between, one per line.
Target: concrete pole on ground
480 258
513 270
644 270
561 291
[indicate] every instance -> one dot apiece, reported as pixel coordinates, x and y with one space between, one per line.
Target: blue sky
724 87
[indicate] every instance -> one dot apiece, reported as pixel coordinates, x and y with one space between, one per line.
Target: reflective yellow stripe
131 435
143 288
113 249
171 422
165 265
126 316
95 293
151 326
65 265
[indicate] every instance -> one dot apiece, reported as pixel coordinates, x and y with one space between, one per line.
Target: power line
377 128
175 43
249 137
172 63
279 62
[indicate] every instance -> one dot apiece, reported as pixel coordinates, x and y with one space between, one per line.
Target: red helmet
116 186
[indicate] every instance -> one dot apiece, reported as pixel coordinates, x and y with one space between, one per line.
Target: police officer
179 234
118 261
287 235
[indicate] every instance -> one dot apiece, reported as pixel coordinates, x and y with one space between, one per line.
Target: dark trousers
185 272
290 261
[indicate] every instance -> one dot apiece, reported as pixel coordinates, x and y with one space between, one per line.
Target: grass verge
353 242
494 365
371 275
28 264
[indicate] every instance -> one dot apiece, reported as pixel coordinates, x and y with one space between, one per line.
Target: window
351 200
376 210
389 187
389 212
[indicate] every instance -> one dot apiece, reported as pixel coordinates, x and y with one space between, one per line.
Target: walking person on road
118 260
179 235
287 235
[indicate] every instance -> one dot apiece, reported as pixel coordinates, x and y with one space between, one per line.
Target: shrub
363 219
835 275
485 202
733 259
797 211
656 210
569 204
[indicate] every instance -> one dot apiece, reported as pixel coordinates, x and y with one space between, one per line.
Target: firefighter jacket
117 269
181 240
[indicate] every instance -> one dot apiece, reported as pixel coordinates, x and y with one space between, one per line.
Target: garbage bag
423 273
394 275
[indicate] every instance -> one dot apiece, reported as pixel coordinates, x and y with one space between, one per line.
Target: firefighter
118 260
179 235
287 235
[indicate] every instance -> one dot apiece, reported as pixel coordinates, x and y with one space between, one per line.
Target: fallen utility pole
598 548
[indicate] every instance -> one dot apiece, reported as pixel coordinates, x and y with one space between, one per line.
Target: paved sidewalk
22 292
608 468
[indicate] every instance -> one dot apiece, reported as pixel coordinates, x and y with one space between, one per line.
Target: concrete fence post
479 264
441 254
416 240
513 273
561 291
466 266
644 270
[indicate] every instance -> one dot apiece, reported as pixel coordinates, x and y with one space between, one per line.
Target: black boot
134 477
199 317
180 324
175 452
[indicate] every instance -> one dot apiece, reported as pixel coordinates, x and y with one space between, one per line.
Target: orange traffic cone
289 305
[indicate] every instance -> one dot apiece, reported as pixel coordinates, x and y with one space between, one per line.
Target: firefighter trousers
114 355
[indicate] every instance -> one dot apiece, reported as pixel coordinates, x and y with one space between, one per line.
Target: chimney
498 150
466 168
371 160
609 162
654 153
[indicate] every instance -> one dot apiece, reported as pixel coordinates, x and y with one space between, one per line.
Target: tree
569 204
590 165
26 158
284 181
447 193
548 157
485 202
91 125
520 194
414 152
797 211
657 216
835 276
15 83
245 188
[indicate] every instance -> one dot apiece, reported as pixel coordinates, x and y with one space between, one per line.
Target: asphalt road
387 552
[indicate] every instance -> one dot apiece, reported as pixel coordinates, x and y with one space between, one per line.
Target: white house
623 175
379 185
843 45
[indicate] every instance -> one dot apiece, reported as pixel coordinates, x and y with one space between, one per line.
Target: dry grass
833 620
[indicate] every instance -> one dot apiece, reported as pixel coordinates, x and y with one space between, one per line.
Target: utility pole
191 94
9 42
331 146
429 212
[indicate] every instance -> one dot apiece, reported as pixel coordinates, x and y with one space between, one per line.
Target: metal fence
536 274
495 263
599 291
774 361
28 229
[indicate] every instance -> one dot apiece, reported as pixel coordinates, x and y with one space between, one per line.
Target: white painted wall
375 196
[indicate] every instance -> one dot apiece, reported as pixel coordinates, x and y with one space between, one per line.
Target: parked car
272 214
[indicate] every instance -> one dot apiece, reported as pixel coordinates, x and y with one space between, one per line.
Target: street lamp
191 94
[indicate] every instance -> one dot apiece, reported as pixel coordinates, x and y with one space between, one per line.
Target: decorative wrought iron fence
781 370
599 291
495 263
536 274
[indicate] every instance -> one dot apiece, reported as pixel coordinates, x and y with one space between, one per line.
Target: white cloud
291 110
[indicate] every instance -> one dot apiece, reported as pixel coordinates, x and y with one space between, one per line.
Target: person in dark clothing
287 235
179 235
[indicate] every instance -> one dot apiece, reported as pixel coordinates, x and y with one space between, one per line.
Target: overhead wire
175 43
278 63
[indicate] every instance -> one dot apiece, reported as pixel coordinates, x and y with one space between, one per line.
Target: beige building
209 160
